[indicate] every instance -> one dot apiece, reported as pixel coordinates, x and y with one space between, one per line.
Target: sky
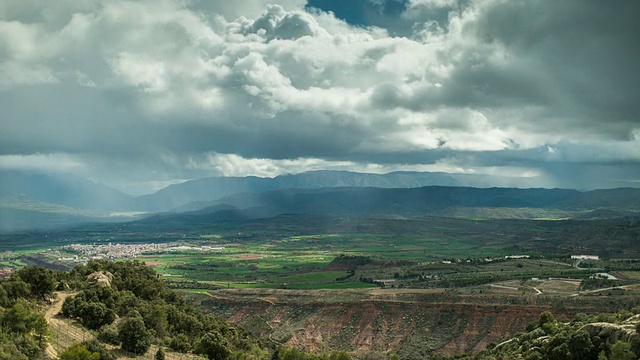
141 94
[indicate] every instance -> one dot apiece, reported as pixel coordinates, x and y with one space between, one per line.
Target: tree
214 346
547 322
159 354
109 334
156 319
580 345
78 352
22 318
134 335
621 350
24 328
16 289
4 298
42 281
95 346
545 318
8 350
342 355
180 343
95 315
28 346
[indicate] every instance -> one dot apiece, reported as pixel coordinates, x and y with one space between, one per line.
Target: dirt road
49 314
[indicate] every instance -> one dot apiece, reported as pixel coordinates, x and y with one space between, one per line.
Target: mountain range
39 200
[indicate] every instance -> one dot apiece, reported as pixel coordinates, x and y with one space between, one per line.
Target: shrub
96 347
109 335
159 354
78 352
134 336
180 343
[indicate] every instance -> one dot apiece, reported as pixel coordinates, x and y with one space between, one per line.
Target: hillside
423 200
118 310
63 189
30 200
20 213
210 189
604 336
413 323
463 202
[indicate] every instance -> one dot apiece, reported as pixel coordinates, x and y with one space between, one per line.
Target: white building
585 257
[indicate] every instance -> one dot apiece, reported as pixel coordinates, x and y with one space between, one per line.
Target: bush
95 315
96 347
109 335
134 336
159 354
8 350
78 352
545 318
214 346
621 350
180 343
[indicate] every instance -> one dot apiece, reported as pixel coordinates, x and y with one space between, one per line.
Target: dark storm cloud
168 90
586 53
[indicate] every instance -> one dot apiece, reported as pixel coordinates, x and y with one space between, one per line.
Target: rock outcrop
103 278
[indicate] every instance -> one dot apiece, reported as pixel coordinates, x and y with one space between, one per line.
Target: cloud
148 90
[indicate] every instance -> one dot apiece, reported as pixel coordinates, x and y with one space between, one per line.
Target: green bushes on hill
127 305
585 338
23 331
132 296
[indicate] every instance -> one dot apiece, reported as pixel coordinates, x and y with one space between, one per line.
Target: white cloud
280 84
51 162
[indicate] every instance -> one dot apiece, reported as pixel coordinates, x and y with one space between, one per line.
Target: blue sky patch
363 12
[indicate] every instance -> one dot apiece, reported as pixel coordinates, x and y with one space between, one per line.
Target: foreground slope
413 323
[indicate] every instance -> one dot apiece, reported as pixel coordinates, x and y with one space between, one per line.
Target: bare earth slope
412 323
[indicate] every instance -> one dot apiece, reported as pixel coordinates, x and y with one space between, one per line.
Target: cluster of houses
125 251
487 259
113 251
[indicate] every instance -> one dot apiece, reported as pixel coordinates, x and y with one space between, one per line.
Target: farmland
415 286
338 252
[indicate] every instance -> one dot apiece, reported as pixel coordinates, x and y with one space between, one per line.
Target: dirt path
50 314
605 289
52 311
55 308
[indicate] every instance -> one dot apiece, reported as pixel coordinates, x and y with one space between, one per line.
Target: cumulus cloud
148 90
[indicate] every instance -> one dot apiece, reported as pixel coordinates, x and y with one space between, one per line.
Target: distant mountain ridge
210 189
75 191
423 201
20 213
64 189
67 199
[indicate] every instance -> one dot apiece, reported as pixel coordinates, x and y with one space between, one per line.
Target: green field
297 251
300 261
